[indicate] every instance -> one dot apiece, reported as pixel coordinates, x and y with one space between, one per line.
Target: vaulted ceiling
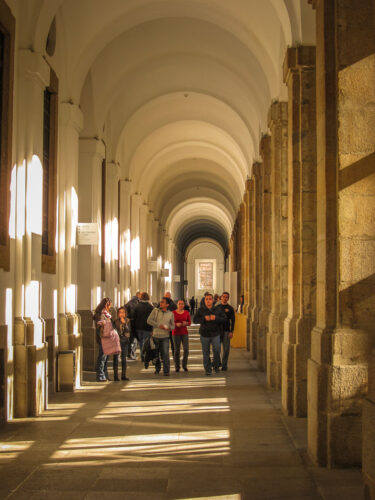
178 89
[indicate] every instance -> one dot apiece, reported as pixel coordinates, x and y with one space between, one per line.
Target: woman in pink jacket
108 338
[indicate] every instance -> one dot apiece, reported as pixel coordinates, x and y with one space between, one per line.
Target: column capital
265 145
92 145
257 169
70 114
32 65
278 113
297 59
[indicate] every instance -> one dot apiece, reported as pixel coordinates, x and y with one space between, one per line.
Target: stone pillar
124 224
278 123
255 270
143 237
135 256
299 74
265 277
69 325
343 336
252 267
247 282
91 155
30 352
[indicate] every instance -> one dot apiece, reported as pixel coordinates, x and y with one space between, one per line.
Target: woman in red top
180 334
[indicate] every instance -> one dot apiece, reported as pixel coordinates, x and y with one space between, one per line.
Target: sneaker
185 369
124 377
208 373
166 374
177 370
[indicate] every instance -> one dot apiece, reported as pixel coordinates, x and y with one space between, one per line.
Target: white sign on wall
165 273
177 278
87 233
152 266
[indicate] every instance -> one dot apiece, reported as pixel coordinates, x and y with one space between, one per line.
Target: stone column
143 236
253 266
255 270
265 249
69 325
91 155
124 223
299 74
343 336
247 252
135 256
30 353
278 123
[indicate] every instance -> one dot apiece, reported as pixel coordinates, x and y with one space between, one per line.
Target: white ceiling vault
179 90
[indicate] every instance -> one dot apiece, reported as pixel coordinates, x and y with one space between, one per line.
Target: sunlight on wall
55 315
74 219
34 200
9 319
12 215
62 233
21 191
127 294
127 246
98 294
71 298
135 254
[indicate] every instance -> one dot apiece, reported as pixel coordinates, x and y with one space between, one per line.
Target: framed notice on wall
87 233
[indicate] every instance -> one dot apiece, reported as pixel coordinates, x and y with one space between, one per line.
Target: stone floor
187 436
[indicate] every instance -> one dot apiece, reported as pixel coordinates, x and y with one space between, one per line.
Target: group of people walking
167 324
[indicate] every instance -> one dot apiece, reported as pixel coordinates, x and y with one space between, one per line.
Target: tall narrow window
49 175
103 219
7 33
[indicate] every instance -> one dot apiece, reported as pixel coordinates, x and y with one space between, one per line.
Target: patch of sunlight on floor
236 496
161 383
165 446
10 451
148 408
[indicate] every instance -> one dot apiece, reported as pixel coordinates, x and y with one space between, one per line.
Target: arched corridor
192 146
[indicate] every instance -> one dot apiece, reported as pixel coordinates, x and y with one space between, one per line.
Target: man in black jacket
228 328
211 320
140 315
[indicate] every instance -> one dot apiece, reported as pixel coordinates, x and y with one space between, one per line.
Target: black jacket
210 328
140 314
131 305
230 317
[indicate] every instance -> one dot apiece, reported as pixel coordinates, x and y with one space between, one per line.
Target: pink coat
110 338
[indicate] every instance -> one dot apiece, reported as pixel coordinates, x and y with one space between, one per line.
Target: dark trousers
178 340
172 343
101 365
225 341
162 350
206 343
124 342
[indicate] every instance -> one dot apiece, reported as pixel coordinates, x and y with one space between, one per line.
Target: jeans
162 350
143 335
206 342
225 340
101 365
171 338
124 342
178 339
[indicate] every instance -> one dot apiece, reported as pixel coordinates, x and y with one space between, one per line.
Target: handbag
110 340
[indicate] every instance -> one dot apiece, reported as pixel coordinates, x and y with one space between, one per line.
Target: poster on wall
205 275
87 233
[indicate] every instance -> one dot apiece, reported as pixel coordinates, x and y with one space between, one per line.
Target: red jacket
180 318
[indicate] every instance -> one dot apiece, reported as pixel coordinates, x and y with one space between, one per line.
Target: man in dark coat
130 306
211 320
228 328
140 315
